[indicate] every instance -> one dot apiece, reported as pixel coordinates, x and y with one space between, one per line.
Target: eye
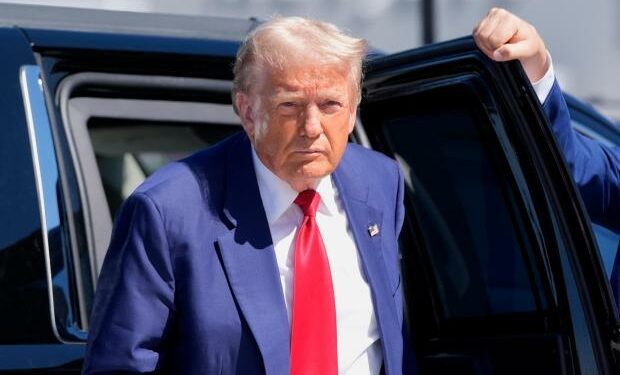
288 107
331 106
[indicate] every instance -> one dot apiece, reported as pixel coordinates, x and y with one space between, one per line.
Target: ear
353 119
244 107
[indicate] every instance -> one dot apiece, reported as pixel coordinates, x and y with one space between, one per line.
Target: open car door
500 271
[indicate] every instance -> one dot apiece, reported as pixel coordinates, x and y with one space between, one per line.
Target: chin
315 171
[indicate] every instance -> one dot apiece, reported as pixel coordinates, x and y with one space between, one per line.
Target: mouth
310 151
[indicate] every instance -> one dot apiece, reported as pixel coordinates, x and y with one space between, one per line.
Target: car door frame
396 75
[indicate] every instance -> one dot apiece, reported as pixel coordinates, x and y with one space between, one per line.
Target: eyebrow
288 92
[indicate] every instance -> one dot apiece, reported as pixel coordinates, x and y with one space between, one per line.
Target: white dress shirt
359 348
543 86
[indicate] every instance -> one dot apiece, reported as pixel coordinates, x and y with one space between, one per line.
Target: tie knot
308 201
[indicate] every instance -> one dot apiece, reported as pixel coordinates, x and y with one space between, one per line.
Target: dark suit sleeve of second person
135 295
594 166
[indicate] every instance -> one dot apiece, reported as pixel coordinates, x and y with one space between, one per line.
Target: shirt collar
278 196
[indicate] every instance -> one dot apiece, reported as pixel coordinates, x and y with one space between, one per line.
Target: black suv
501 272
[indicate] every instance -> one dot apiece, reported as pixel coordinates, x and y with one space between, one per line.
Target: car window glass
465 207
128 151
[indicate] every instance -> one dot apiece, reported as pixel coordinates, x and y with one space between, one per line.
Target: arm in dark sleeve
135 294
594 166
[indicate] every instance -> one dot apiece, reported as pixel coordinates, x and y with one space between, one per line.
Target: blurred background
581 35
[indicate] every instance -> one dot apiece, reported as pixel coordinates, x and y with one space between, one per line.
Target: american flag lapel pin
373 230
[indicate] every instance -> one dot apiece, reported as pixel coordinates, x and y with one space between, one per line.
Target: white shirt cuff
543 86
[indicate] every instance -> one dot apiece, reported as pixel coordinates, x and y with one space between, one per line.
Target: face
299 120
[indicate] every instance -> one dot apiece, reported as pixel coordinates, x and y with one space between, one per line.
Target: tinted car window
463 201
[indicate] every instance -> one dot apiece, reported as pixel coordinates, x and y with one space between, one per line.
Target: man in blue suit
198 276
275 251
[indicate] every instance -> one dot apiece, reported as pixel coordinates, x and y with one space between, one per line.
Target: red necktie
313 332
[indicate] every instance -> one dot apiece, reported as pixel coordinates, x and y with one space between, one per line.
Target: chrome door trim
46 180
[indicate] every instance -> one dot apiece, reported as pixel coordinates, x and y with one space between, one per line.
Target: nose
312 126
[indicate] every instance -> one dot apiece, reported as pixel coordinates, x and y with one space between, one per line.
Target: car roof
122 22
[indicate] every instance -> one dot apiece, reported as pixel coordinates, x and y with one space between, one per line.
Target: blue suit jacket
190 283
595 169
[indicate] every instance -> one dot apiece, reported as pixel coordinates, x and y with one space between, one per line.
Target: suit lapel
354 194
249 260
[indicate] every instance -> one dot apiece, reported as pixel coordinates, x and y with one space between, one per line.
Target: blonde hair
276 42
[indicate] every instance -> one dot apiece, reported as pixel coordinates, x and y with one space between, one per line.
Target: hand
503 36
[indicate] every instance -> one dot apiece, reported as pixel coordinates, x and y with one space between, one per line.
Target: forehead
303 77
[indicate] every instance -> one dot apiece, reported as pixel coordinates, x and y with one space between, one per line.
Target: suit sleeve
135 294
594 166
